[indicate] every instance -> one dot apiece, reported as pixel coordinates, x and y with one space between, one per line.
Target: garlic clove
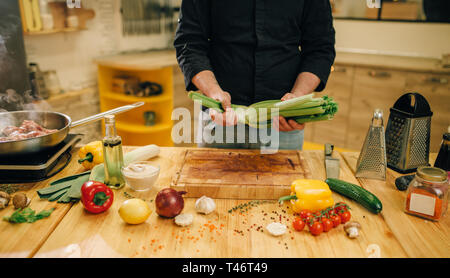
205 205
184 219
276 229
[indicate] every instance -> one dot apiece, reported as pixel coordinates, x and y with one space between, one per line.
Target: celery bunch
302 109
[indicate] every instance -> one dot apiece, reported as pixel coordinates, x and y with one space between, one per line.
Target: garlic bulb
205 205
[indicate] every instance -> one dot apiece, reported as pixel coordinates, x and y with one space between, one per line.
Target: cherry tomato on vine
340 208
326 213
345 217
310 220
317 213
327 224
336 219
316 229
298 224
305 213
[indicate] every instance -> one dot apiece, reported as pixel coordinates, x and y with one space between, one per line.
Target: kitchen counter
156 59
72 232
415 64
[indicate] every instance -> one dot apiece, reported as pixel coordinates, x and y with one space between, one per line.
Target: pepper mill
443 158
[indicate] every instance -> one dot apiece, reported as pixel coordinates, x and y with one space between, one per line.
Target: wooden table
72 232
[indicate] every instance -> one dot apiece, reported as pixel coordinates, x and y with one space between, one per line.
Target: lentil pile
250 220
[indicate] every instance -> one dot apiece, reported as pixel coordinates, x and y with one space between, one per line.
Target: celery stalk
206 101
302 109
302 112
323 117
294 102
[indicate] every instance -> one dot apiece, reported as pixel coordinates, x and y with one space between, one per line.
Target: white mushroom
4 199
276 229
205 205
184 219
352 229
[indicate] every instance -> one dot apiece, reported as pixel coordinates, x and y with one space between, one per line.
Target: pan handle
102 115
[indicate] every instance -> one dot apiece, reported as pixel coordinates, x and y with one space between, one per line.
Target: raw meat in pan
28 129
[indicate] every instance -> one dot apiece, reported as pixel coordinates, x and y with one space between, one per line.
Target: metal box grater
408 133
371 162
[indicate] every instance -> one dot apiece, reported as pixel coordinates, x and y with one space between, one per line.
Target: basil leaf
44 214
27 215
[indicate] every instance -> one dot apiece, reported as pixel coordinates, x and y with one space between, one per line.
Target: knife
331 164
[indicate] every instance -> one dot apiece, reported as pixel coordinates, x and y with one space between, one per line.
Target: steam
10 100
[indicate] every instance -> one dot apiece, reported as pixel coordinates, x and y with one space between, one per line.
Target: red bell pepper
96 196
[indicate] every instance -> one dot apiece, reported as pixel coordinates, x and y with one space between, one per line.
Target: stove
38 166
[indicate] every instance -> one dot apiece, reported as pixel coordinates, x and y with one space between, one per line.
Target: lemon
134 211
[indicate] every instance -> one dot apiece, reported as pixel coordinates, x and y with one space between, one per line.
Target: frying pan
49 120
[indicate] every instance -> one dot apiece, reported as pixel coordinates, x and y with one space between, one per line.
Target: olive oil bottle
112 154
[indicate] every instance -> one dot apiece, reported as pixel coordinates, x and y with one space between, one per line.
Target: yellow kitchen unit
119 77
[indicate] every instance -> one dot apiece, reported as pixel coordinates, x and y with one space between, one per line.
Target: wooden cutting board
239 174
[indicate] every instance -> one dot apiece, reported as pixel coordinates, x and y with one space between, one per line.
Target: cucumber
357 193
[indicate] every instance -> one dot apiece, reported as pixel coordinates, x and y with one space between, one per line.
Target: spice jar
427 194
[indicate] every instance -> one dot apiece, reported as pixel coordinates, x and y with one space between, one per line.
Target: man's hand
227 118
206 82
281 124
222 96
291 96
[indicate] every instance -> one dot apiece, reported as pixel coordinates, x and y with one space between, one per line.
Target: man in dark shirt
246 51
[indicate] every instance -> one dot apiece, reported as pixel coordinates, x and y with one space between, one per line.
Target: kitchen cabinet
436 89
181 99
362 83
157 67
372 89
340 89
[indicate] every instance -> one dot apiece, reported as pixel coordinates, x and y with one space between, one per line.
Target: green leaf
27 215
75 189
57 195
69 178
44 214
48 191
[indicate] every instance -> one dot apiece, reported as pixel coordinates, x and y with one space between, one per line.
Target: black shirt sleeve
317 41
192 39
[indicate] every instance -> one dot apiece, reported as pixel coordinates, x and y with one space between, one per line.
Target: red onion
169 202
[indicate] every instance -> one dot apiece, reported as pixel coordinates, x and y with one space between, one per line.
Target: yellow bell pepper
313 195
91 154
